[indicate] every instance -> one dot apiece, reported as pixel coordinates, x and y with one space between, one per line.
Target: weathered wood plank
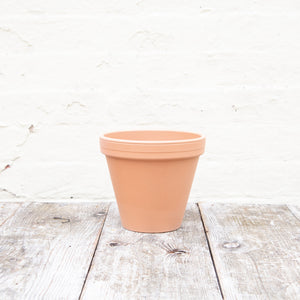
46 249
174 265
256 250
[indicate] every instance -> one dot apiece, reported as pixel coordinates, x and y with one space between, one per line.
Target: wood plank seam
93 256
210 251
291 211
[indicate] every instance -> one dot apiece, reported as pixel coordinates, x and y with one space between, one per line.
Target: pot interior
153 136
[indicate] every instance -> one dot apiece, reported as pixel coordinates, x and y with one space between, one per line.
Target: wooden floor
80 251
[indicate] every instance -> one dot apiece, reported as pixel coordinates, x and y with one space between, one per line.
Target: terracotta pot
152 173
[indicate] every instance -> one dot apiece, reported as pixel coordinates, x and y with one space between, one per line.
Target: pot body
151 182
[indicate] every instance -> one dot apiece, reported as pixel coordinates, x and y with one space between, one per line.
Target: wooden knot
172 249
176 251
99 214
230 245
114 244
63 220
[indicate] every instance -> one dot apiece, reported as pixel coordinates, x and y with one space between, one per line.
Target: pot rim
162 148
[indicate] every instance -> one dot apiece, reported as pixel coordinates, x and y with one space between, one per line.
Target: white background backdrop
71 70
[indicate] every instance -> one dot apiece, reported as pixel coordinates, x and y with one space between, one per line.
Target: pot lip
199 137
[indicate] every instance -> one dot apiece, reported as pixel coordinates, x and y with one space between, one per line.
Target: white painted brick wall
70 70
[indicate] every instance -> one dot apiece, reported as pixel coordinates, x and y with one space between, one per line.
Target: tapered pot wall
152 194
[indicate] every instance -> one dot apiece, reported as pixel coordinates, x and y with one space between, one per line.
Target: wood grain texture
131 265
256 250
46 248
7 211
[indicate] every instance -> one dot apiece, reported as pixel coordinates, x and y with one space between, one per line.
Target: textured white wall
70 70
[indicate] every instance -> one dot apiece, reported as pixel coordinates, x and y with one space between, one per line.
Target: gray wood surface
174 265
256 249
59 251
46 248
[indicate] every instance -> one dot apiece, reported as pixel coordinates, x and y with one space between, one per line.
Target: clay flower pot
152 174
